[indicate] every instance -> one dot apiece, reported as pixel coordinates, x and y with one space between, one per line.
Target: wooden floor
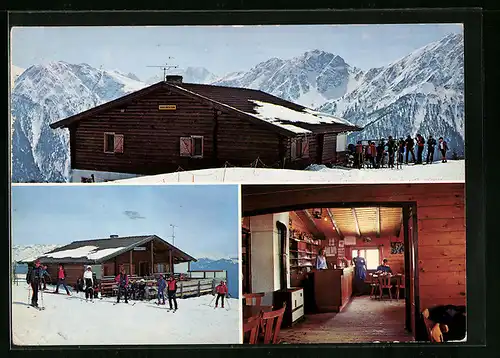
364 320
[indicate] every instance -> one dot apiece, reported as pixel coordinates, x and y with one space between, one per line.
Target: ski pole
227 301
41 296
29 293
213 298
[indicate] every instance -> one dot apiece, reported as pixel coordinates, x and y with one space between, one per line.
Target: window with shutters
191 146
113 143
300 148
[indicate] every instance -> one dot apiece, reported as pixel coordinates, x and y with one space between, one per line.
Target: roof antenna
165 68
173 233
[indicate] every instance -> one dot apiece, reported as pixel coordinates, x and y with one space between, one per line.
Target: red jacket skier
222 291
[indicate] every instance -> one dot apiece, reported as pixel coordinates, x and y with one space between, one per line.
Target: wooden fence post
182 295
199 288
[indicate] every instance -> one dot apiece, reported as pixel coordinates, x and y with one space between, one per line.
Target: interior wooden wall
441 225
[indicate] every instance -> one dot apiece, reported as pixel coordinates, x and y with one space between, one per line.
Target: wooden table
251 311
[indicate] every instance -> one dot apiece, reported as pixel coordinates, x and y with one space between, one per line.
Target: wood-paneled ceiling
359 222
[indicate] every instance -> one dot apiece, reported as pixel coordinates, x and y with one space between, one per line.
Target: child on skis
162 285
222 291
172 291
88 277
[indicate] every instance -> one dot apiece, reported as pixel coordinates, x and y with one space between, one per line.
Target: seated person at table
384 267
448 322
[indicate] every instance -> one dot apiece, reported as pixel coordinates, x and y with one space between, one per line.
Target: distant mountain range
422 92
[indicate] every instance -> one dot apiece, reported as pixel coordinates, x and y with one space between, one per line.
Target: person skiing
222 291
420 148
443 148
33 278
162 285
45 274
401 150
410 144
61 280
391 147
431 144
171 292
88 278
122 281
358 158
380 153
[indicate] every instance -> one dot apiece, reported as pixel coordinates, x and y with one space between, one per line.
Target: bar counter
332 288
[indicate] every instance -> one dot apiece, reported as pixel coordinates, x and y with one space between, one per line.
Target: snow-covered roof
100 250
452 171
284 117
87 252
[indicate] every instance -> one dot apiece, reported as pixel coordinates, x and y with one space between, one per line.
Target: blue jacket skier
162 285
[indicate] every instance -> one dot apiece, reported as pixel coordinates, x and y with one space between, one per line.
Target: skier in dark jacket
448 322
122 281
420 148
401 150
443 148
431 144
162 285
172 291
391 148
33 278
380 153
410 144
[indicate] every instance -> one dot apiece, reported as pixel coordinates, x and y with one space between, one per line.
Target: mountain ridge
420 92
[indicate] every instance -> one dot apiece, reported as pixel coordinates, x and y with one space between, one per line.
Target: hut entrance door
144 268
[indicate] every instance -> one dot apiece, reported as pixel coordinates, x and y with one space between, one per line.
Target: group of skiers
36 278
398 151
37 273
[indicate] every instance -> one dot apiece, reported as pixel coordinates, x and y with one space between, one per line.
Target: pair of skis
130 304
36 307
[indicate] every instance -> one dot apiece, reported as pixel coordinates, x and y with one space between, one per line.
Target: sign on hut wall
397 248
139 248
349 240
167 107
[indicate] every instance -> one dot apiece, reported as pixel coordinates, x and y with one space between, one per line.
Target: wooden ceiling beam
334 223
358 231
378 221
306 217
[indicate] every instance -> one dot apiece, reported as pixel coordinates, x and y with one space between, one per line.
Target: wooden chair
272 323
400 285
249 299
385 282
251 329
374 284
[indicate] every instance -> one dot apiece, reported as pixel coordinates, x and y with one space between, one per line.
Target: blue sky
220 49
206 216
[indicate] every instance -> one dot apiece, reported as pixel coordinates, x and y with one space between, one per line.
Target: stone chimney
173 79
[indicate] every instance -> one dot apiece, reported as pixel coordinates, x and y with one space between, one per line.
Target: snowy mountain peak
421 92
45 93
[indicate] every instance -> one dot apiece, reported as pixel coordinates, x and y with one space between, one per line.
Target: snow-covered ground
69 320
452 171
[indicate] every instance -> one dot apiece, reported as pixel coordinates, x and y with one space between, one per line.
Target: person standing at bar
359 273
321 260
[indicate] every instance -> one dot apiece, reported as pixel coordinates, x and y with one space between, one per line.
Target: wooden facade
171 125
433 217
142 256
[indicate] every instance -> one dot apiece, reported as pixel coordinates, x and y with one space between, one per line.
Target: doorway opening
337 300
